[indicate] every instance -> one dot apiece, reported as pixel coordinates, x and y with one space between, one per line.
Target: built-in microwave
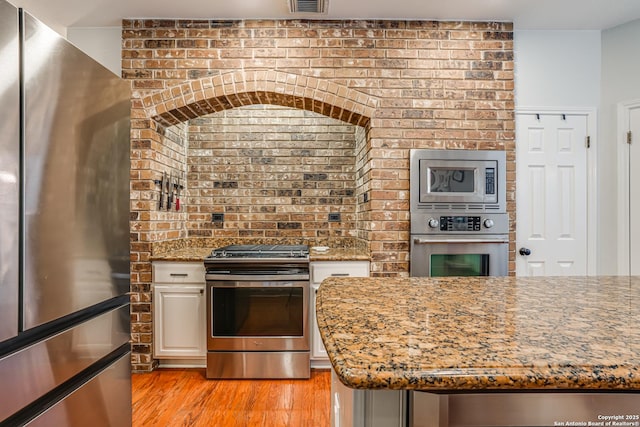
458 179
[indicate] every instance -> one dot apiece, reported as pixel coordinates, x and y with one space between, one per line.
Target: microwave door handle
456 241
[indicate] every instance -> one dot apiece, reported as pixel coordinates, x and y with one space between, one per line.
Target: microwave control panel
490 181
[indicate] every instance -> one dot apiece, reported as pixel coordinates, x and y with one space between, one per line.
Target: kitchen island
465 344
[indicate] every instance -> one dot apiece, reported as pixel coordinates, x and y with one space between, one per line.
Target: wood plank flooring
184 397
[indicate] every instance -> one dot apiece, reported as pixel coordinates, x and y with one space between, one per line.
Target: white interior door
551 194
634 192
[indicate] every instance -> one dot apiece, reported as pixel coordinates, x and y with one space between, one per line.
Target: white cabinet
179 317
319 356
321 270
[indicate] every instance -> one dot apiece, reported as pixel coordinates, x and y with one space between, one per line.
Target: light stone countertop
339 254
496 333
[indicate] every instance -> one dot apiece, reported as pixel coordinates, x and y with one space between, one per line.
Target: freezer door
46 367
9 170
76 178
105 401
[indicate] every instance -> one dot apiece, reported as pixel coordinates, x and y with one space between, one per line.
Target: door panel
551 194
536 203
566 202
535 268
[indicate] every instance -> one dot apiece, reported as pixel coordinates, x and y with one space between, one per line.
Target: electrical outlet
217 217
334 217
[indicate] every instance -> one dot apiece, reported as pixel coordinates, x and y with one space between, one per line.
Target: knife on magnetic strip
178 193
170 191
164 178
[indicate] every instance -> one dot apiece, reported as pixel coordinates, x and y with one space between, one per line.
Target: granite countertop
198 254
496 333
183 255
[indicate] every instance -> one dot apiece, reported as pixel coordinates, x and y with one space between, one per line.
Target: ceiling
526 14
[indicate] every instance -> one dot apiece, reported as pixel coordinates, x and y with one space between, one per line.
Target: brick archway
212 94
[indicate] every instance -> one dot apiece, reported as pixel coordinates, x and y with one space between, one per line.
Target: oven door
438 256
254 313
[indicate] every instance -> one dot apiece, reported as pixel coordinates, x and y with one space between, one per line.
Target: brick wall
273 172
402 84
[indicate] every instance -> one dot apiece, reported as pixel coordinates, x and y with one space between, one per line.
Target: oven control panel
460 223
450 223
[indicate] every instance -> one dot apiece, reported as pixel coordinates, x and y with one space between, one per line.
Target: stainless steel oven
459 222
457 255
257 312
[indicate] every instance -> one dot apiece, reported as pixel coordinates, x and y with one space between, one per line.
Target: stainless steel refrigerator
64 232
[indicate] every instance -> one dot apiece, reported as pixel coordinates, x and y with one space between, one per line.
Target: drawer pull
339 274
179 274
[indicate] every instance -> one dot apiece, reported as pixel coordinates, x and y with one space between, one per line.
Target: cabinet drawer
178 272
320 270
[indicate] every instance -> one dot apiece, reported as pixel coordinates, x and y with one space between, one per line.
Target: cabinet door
317 347
179 321
321 270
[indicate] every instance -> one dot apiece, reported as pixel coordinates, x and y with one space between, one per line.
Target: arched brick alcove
212 94
154 152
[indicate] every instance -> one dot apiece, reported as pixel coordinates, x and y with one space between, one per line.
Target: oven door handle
256 278
265 285
456 241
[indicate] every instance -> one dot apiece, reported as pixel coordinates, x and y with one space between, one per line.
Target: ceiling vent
308 6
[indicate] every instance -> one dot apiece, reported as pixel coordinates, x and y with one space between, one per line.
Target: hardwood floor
184 397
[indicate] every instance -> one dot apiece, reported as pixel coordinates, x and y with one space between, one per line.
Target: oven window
258 312
445 180
459 265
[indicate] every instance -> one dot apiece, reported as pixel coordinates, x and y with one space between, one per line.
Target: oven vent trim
470 207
